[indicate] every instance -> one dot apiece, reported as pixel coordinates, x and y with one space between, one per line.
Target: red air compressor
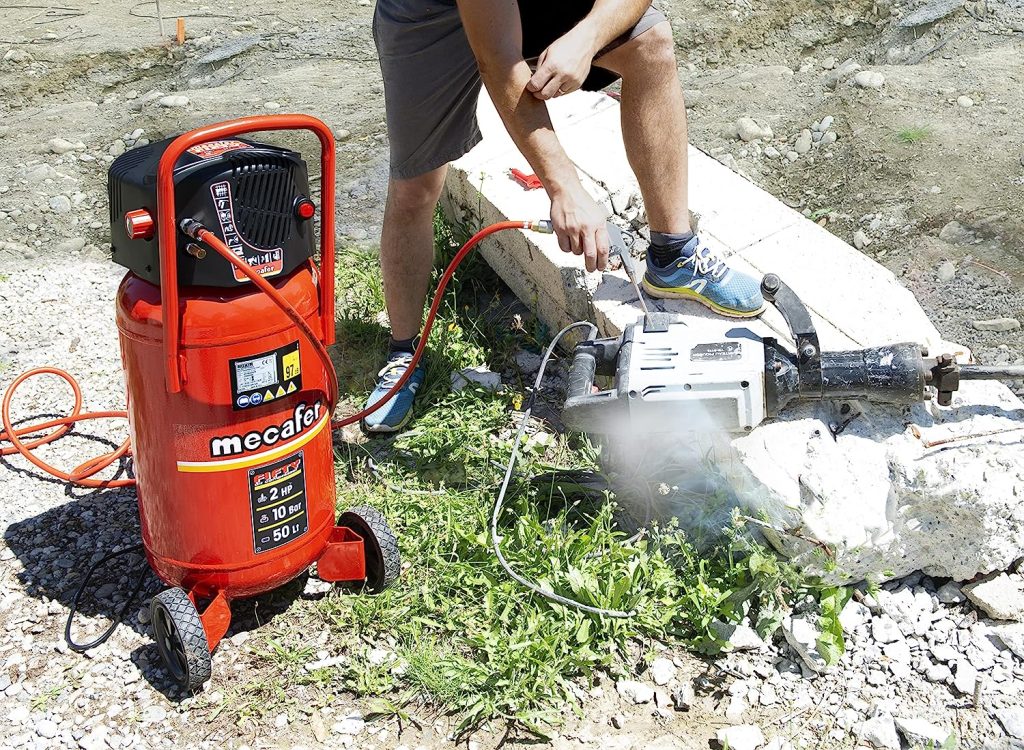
230 386
229 403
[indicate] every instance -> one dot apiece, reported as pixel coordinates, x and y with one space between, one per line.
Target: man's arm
495 34
565 65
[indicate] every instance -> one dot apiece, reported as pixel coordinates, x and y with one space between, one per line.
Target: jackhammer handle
582 373
992 372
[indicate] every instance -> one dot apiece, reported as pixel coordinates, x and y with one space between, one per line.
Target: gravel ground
77 89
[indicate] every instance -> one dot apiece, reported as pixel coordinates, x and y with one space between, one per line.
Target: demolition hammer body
671 376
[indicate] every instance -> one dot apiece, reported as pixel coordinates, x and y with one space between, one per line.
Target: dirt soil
927 171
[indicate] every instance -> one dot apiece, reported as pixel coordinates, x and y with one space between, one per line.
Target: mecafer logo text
301 419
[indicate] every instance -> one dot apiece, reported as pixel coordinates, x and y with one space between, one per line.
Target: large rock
900 489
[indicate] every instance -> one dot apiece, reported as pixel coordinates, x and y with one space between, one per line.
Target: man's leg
654 125
679 265
407 249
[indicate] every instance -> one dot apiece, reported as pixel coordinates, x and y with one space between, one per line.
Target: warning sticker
264 262
719 351
277 493
265 377
211 149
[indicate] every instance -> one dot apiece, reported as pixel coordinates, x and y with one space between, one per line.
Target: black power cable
119 617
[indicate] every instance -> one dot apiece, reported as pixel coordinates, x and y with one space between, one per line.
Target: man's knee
654 50
416 194
657 46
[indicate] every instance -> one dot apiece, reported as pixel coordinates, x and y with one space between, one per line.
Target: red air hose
82 474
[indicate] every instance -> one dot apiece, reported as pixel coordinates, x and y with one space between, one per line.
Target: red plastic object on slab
528 181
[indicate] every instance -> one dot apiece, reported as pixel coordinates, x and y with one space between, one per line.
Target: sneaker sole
384 429
689 294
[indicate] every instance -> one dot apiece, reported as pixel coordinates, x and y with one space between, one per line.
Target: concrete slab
886 500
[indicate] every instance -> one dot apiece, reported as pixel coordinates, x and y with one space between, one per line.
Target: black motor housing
249 194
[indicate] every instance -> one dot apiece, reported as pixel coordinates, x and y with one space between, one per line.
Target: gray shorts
431 79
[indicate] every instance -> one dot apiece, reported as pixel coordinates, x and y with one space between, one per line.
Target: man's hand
579 225
564 66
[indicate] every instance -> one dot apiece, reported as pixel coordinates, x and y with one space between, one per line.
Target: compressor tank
235 472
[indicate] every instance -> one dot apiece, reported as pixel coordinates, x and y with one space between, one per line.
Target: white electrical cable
500 501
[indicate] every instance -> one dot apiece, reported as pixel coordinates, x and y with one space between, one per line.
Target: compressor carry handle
167 224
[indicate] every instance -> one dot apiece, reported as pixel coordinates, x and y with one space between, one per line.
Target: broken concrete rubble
899 489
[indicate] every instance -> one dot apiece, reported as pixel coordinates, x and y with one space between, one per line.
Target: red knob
305 208
139 224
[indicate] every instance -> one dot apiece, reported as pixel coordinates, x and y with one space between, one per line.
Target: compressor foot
180 638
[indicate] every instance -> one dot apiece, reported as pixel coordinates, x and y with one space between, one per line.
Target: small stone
747 130
281 720
829 138
117 148
737 707
938 673
737 637
1000 597
18 714
1012 720
802 635
174 101
527 362
880 732
803 142
1012 636
637 692
860 239
479 375
828 63
771 152
826 122
966 677
662 671
1001 325
154 715
792 156
47 729
920 733
342 134
271 106
352 725
885 630
779 743
60 204
60 146
898 651
854 615
741 737
839 74
950 592
956 233
944 652
965 101
947 272
683 697
618 721
18 56
869 79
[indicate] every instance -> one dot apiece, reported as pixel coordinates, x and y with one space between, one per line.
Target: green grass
466 639
914 134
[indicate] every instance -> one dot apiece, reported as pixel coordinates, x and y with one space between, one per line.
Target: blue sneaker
701 275
395 414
